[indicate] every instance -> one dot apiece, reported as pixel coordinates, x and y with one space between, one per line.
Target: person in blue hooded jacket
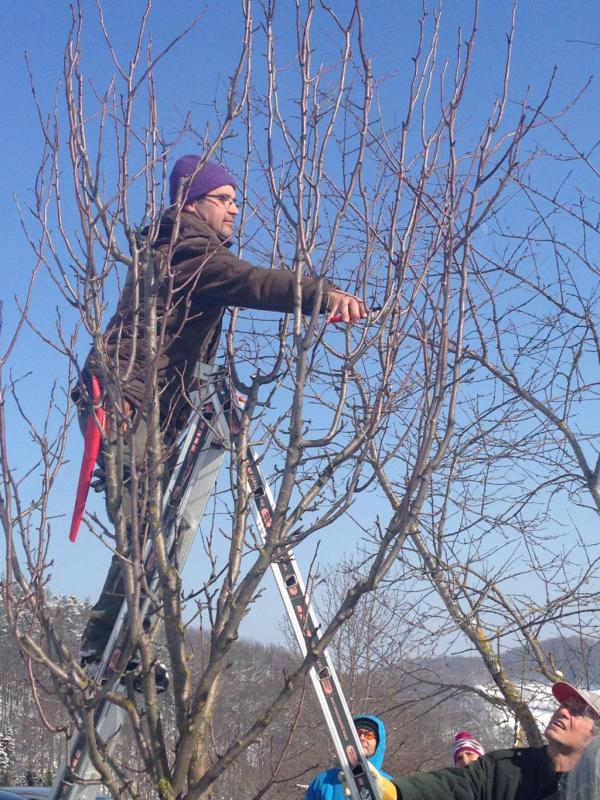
371 733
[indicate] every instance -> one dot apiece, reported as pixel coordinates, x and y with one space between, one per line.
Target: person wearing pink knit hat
466 749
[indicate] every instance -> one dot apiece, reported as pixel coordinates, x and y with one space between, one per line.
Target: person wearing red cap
201 277
520 773
583 782
466 749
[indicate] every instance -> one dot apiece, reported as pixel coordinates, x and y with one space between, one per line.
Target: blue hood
377 758
326 785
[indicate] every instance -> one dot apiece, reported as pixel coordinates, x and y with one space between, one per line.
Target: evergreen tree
7 749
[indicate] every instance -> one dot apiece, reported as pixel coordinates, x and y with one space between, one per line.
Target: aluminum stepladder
210 434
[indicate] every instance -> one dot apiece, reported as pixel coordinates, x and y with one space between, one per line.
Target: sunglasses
364 733
579 709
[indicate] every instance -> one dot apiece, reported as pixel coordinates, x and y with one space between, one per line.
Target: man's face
466 757
367 739
572 726
217 209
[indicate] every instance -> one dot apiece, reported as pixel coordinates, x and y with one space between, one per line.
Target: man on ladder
198 279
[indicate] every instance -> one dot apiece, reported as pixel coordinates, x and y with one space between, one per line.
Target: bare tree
331 189
504 536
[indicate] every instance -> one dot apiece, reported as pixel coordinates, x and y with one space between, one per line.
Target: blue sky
549 33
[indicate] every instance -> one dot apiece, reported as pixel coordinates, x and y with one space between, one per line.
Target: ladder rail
198 454
304 623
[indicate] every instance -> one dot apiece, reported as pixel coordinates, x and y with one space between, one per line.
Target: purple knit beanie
205 180
464 741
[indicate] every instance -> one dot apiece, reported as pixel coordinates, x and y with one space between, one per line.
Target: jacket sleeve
466 783
211 275
314 791
311 793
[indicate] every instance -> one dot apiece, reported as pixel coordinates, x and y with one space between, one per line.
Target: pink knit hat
465 742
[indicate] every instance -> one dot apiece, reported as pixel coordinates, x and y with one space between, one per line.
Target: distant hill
435 696
577 658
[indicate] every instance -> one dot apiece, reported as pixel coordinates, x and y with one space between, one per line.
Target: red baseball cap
563 690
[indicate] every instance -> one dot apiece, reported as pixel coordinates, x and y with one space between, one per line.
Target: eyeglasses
579 709
223 199
363 733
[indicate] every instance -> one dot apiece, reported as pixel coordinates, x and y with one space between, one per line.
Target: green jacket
521 774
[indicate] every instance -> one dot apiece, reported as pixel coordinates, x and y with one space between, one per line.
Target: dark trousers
104 613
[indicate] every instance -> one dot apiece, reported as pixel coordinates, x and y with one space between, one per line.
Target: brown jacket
202 279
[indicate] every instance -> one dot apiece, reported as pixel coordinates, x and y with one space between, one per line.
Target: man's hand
385 788
345 307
